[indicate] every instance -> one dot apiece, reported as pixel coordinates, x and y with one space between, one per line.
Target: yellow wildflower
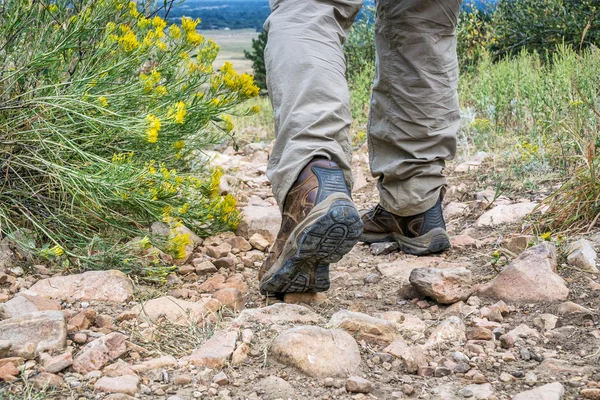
159 23
111 26
546 235
247 86
185 55
129 41
183 209
216 101
255 109
103 101
194 38
144 22
57 251
161 91
177 244
174 31
153 128
228 123
188 24
496 254
179 113
575 103
133 11
180 144
53 8
151 169
161 45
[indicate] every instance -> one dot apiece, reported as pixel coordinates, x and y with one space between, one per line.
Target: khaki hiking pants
414 112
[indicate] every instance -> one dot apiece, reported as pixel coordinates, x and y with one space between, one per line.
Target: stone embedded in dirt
446 286
215 352
518 244
231 298
218 281
357 384
218 251
35 332
479 333
545 322
221 379
581 254
364 327
155 363
383 248
318 352
259 242
462 241
240 355
313 299
203 266
279 313
505 214
454 209
553 366
408 325
273 387
112 285
24 304
413 357
522 331
45 380
58 363
239 243
593 394
120 368
551 391
176 311
228 262
99 352
473 163
570 308
9 372
452 329
127 384
530 278
263 220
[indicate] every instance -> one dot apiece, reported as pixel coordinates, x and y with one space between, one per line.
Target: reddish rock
239 243
204 267
218 251
215 352
231 298
357 384
45 380
58 363
446 286
479 333
24 304
305 298
35 332
259 242
113 286
99 352
177 311
531 278
155 363
363 326
127 384
9 372
412 356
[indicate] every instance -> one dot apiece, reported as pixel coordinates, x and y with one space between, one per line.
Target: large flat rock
35 332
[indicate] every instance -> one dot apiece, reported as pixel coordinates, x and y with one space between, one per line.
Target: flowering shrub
103 108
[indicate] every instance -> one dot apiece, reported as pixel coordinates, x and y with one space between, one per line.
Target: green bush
257 56
103 110
359 48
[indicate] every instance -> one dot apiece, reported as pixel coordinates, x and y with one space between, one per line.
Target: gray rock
272 388
552 391
505 214
446 286
383 248
581 254
263 220
35 332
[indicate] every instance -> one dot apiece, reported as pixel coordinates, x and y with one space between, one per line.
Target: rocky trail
501 315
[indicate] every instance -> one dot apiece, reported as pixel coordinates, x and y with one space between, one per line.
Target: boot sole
324 237
434 241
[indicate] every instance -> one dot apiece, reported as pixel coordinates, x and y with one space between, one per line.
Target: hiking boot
319 225
419 234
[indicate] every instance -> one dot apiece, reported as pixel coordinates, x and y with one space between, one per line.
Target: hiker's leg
414 108
306 82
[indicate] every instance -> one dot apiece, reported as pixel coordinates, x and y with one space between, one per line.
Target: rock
554 366
58 363
9 372
239 243
218 281
363 326
383 248
127 384
112 285
545 322
204 267
273 387
356 384
570 308
314 299
231 298
155 363
522 331
259 242
263 220
518 244
45 380
35 332
218 251
462 241
452 329
581 254
454 209
99 352
479 333
505 214
119 368
412 356
23 304
221 379
446 286
552 391
279 313
473 164
177 311
215 352
530 278
240 355
590 394
318 352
